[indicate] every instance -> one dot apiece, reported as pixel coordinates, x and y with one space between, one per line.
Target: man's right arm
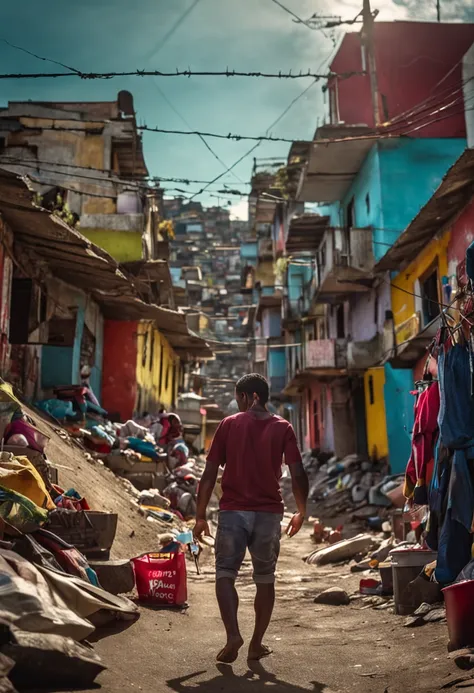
215 459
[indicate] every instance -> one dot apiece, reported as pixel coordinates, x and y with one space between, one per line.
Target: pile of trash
58 583
150 452
352 485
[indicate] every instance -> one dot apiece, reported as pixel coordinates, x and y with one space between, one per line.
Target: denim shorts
238 531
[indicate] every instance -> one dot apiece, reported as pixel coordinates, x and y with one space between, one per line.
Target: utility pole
438 9
368 40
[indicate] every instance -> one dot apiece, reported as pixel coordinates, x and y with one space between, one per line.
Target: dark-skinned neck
259 412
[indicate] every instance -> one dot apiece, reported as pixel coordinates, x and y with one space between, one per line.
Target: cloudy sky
117 35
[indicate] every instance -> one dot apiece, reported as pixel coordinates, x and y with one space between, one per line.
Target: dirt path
316 648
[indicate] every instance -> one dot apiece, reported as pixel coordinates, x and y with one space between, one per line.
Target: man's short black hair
254 382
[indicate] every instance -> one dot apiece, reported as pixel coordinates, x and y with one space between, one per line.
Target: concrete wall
366 192
404 304
364 323
460 238
411 170
61 365
156 363
412 57
396 179
124 246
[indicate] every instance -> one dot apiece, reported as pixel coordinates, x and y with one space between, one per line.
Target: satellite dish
125 103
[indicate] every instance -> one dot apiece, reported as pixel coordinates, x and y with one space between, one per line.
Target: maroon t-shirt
251 450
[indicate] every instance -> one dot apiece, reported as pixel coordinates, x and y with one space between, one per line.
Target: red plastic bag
161 578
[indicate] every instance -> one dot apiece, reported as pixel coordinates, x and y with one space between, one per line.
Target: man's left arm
299 482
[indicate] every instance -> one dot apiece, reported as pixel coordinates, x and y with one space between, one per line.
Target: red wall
411 58
119 380
319 437
462 235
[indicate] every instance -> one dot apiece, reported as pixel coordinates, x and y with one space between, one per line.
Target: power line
200 135
290 12
236 163
177 73
40 57
36 163
252 149
171 31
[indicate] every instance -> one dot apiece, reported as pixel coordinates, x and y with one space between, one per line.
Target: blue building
370 192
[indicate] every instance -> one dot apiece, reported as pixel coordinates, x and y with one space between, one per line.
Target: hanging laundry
424 436
452 490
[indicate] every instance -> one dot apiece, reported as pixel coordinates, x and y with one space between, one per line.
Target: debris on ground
334 596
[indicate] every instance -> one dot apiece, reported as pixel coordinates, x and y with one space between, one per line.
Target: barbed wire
302 74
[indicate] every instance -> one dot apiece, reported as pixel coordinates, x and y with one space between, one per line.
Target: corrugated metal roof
70 256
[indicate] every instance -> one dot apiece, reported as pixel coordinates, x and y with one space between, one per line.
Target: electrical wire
40 57
200 135
37 163
290 12
383 133
171 31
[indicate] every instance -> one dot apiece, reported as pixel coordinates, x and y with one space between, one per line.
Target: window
160 382
376 309
367 203
173 387
429 297
152 350
371 390
350 214
21 305
167 382
322 255
144 351
341 333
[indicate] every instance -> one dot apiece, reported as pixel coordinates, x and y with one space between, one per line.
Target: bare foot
257 652
230 652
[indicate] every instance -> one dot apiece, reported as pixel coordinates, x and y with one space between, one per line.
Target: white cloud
240 210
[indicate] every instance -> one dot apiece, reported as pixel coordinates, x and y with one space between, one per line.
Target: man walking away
250 446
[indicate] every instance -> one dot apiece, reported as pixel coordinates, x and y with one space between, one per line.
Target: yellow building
158 369
417 289
377 440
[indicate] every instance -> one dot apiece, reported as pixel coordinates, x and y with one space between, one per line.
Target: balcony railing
345 255
326 353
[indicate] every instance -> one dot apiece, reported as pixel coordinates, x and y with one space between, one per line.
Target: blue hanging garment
452 500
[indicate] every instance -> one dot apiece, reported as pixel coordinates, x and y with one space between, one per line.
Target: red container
459 600
161 578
